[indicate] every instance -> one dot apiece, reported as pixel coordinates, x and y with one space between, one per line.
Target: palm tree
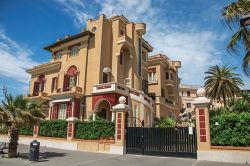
237 13
222 83
17 112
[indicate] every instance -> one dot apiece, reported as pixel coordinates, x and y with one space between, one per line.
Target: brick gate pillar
201 104
120 140
36 130
71 128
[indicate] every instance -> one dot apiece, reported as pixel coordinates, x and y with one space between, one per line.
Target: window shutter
55 111
36 88
66 83
42 85
69 110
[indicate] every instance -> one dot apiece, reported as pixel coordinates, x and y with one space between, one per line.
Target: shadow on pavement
43 156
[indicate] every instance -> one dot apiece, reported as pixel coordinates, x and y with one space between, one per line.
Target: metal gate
177 142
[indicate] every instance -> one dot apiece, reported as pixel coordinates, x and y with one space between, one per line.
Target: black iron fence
179 142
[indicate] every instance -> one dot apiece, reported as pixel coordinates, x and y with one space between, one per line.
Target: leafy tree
16 112
233 15
165 122
222 82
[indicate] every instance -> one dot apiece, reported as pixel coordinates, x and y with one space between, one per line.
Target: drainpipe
85 79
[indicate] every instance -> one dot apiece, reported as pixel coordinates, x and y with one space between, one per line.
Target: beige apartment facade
164 85
188 95
89 71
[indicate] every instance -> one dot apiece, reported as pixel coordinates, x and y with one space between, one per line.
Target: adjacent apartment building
164 85
89 71
188 95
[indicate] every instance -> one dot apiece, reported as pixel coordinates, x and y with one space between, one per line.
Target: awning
61 100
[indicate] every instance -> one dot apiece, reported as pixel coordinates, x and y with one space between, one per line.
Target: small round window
93 29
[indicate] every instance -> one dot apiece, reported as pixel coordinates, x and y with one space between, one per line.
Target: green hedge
25 130
53 128
233 129
95 130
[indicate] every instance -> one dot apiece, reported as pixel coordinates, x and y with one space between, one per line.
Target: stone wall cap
72 119
121 108
201 100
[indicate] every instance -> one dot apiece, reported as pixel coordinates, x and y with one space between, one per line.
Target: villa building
188 95
89 71
164 85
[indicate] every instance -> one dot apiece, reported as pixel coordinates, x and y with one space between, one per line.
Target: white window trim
62 113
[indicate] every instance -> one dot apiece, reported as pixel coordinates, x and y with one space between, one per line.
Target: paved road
54 157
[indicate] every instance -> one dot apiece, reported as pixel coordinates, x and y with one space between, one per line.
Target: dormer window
74 51
58 55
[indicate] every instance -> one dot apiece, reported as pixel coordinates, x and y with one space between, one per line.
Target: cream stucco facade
89 71
164 85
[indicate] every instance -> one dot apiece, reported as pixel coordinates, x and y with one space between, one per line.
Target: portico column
202 120
120 111
113 116
94 116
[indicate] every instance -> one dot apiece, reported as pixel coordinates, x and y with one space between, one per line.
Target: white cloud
77 9
196 48
14 60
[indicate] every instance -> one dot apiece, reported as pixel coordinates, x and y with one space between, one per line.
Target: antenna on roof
113 12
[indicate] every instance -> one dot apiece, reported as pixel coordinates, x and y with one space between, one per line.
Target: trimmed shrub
233 129
53 128
25 130
95 130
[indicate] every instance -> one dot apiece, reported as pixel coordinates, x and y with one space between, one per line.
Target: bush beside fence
95 130
232 129
26 130
53 128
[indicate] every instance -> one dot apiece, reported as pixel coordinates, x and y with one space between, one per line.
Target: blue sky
189 31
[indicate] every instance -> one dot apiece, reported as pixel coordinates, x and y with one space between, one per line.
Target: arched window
74 51
70 79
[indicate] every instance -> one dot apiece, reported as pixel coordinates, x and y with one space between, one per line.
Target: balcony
39 95
152 82
110 87
170 83
125 39
114 87
69 90
167 102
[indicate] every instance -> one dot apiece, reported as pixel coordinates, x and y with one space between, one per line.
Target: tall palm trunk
13 144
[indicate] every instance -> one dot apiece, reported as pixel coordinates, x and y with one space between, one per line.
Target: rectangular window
188 93
167 75
162 92
152 77
72 81
188 105
62 111
54 83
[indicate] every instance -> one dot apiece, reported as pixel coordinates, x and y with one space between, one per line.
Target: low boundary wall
61 143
